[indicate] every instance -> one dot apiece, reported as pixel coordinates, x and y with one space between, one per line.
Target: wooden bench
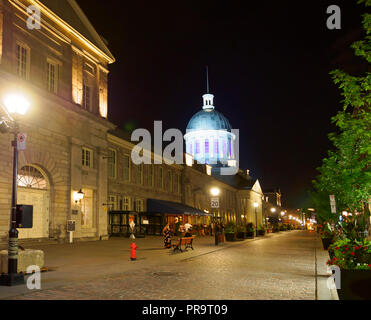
186 242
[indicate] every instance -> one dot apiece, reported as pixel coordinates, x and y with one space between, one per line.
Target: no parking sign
21 141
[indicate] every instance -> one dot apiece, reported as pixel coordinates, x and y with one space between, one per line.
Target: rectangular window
206 146
150 175
89 68
139 205
190 148
112 163
87 157
23 59
127 168
216 147
140 174
52 77
112 202
126 203
161 177
197 147
86 97
224 149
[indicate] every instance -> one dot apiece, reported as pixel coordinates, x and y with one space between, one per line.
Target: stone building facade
62 70
71 147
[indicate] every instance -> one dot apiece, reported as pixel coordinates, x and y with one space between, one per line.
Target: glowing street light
15 104
215 191
282 213
273 209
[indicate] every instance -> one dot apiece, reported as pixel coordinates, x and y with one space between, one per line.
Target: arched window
31 177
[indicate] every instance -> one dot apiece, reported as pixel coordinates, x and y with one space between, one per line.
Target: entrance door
33 190
39 199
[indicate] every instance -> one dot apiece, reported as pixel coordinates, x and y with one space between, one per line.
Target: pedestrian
177 227
187 226
167 236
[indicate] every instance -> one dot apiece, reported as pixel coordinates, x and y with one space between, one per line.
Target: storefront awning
162 206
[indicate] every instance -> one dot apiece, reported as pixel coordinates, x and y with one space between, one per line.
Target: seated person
188 234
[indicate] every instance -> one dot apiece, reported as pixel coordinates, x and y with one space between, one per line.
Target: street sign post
215 203
333 203
21 141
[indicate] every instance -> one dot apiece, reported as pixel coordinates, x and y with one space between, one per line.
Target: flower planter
326 242
230 236
355 285
241 235
250 234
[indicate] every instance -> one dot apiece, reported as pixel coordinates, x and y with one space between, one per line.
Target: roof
70 12
208 119
237 181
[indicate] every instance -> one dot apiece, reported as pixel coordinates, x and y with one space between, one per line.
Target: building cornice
64 25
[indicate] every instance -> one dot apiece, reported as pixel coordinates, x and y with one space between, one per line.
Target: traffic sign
214 202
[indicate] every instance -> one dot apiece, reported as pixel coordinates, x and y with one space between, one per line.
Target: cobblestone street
278 266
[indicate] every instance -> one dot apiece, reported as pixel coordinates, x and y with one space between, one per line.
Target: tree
345 173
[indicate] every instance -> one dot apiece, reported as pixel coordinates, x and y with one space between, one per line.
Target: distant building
208 136
273 196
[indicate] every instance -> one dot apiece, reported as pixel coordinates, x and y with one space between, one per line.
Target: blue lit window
224 148
190 148
206 146
216 147
197 147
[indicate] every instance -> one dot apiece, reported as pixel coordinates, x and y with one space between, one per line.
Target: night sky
269 64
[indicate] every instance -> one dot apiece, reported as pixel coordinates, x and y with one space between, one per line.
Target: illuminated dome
209 119
209 138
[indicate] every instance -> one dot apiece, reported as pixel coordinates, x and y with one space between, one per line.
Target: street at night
276 267
183 158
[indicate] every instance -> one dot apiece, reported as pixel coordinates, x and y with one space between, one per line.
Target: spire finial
207 79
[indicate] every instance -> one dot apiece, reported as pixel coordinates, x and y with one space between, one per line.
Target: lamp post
15 105
215 192
256 218
273 210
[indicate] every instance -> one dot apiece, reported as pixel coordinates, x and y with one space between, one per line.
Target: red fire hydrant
133 249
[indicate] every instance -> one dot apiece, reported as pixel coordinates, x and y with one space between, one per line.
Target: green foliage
240 228
230 227
326 231
351 254
250 227
283 228
345 172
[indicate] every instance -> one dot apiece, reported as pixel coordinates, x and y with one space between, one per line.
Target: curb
323 277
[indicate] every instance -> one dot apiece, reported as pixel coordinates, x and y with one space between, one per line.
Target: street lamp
256 218
215 192
15 105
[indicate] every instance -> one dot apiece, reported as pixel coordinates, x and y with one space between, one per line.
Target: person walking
167 236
